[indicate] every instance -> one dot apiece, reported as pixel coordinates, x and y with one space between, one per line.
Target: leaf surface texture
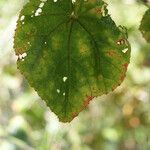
70 52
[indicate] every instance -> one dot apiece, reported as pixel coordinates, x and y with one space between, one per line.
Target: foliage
145 26
70 52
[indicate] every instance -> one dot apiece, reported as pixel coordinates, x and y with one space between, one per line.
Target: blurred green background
118 121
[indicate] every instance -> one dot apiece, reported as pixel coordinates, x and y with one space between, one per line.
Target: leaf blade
145 26
75 57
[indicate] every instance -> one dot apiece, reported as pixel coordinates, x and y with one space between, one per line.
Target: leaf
70 53
145 26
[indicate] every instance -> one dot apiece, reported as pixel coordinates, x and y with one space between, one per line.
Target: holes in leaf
38 12
121 42
22 56
58 91
104 10
29 43
64 79
22 18
125 50
41 5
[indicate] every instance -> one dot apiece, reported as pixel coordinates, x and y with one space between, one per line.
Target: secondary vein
97 64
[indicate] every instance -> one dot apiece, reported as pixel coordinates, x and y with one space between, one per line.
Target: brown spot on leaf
99 11
122 77
19 51
74 114
85 104
125 66
83 47
112 53
114 87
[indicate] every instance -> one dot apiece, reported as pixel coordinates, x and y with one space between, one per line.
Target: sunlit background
118 121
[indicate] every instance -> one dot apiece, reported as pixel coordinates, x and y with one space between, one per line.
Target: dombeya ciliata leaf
70 52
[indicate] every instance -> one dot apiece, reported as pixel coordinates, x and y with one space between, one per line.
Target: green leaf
145 26
70 53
